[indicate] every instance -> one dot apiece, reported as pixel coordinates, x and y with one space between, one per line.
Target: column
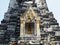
21 27
38 27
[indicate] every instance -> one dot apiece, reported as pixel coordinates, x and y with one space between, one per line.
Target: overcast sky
53 5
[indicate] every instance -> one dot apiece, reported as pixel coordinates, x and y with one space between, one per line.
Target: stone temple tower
29 22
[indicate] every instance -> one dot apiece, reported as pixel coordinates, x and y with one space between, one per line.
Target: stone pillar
38 27
21 27
49 38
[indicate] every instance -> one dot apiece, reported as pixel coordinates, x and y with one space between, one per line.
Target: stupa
29 22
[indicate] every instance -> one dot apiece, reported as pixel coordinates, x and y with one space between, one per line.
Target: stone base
31 44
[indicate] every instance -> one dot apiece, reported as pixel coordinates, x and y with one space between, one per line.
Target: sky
53 6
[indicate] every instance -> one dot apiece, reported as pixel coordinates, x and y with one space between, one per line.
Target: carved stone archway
28 18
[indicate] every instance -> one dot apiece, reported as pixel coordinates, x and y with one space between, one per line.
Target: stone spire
41 24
